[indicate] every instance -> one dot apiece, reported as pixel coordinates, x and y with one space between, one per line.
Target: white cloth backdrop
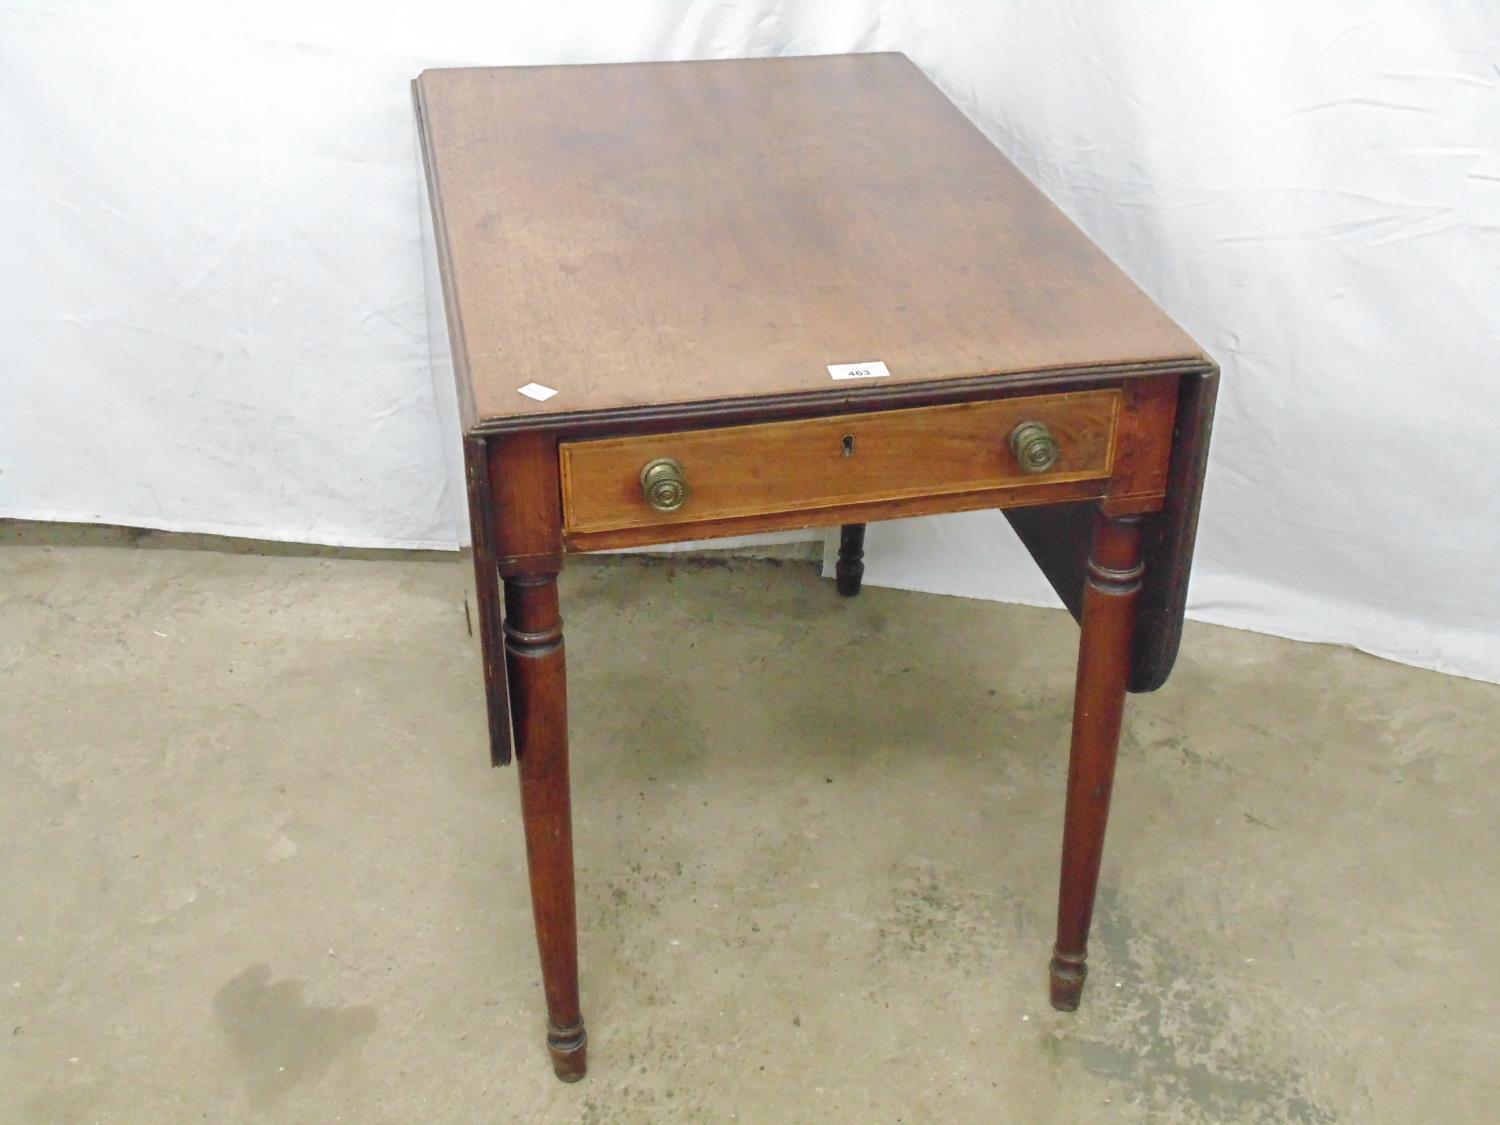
211 306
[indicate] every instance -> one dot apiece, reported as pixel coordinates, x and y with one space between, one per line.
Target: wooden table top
652 233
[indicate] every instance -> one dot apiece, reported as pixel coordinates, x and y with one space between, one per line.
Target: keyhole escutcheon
848 445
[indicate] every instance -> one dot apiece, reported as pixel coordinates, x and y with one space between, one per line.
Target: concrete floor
256 867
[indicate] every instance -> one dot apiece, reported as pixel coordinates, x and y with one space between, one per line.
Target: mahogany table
686 300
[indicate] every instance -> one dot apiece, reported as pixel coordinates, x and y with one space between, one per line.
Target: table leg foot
1067 982
569 1048
849 571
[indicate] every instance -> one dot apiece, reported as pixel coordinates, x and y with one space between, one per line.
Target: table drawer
806 465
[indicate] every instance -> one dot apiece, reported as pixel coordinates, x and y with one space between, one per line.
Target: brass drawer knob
1034 446
663 485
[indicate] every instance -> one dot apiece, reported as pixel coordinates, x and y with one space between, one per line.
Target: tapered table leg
1114 579
850 568
539 706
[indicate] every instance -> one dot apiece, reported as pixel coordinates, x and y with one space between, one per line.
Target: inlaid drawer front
802 466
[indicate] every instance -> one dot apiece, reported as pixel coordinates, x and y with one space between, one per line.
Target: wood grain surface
821 463
644 234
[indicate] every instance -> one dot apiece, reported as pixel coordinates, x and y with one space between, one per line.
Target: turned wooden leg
1114 578
539 704
851 565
